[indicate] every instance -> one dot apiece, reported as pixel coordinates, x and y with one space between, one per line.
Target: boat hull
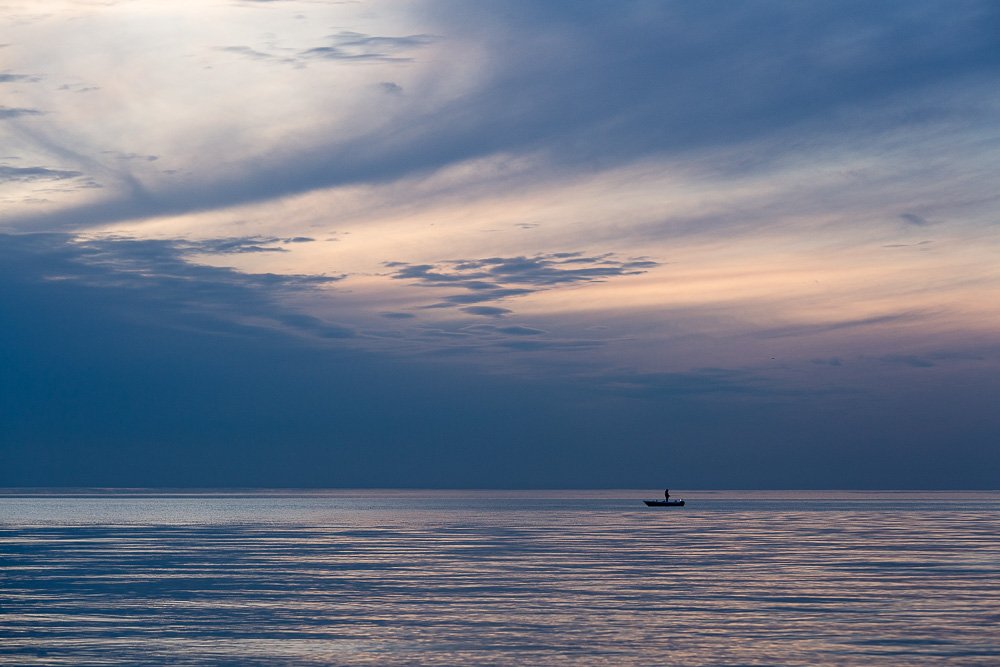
664 503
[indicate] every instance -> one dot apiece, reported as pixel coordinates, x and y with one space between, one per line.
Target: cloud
315 325
499 278
254 54
910 360
486 311
123 366
789 73
9 77
345 46
349 45
519 331
79 88
17 112
544 345
27 174
800 330
628 124
500 331
132 156
914 219
935 358
919 244
212 299
126 364
480 297
237 245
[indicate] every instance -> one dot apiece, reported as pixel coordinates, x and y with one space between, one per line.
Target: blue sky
500 244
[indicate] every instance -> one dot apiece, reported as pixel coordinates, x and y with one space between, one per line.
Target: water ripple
451 578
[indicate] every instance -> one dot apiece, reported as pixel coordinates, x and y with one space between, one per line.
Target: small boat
664 503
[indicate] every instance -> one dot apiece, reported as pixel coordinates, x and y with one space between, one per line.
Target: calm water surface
500 578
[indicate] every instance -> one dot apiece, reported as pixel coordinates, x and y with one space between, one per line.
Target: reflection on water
485 578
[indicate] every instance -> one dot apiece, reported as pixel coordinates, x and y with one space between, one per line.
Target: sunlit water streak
543 578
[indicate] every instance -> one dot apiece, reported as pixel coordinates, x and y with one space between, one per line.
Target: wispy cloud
10 77
236 245
345 46
18 112
214 299
914 219
27 174
643 94
910 360
802 330
355 46
255 54
486 311
499 278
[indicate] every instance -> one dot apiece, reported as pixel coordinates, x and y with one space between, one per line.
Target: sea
583 577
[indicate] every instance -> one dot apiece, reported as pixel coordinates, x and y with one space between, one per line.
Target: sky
697 244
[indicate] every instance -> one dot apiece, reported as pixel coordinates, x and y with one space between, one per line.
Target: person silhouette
666 494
